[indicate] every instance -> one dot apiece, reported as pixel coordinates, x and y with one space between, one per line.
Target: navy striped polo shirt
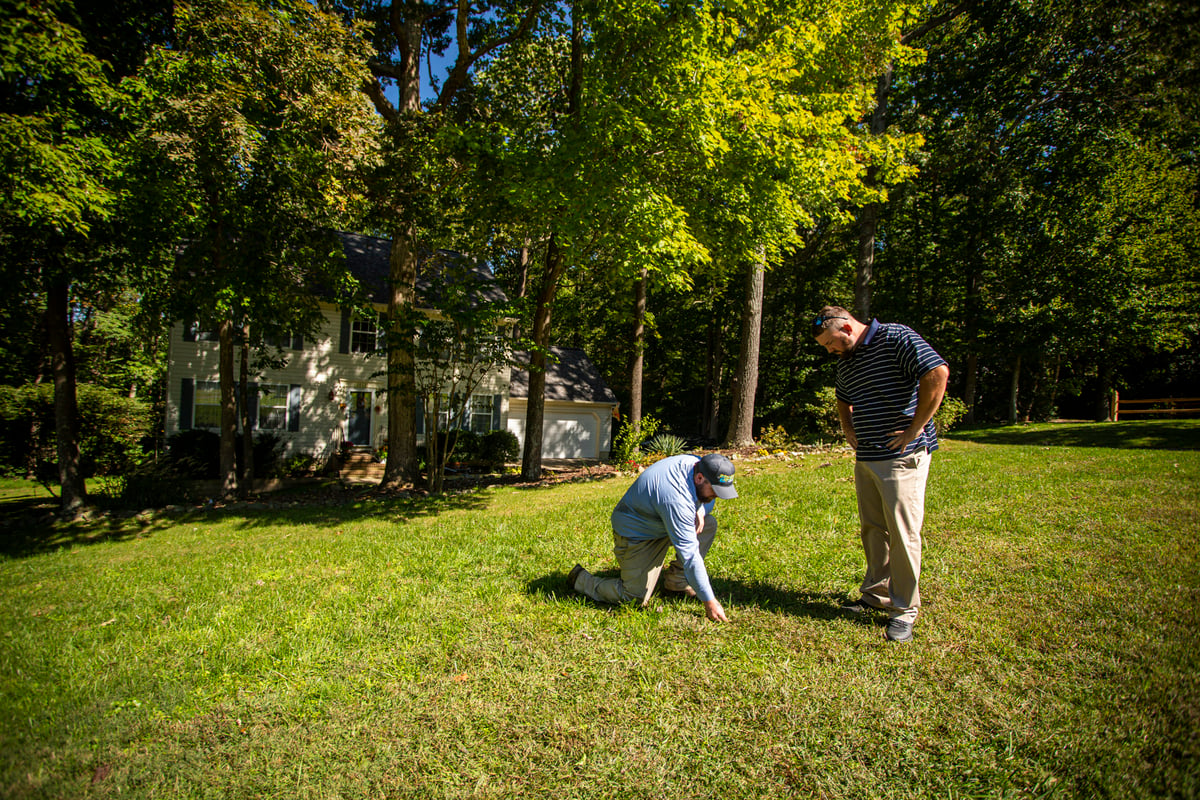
880 380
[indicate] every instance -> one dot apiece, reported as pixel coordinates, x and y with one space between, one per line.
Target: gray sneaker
898 630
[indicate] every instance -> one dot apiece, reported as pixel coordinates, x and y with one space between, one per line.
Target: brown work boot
687 591
572 576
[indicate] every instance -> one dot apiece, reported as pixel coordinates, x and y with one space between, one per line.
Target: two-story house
332 390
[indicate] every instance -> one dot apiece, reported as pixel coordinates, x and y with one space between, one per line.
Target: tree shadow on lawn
30 527
1136 435
552 588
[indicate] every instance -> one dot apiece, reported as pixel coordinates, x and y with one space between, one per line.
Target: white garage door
570 436
564 434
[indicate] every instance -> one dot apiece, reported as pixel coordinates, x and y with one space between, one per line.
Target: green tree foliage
62 118
255 114
113 429
462 340
417 183
1054 199
706 140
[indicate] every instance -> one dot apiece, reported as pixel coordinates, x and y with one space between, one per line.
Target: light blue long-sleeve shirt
662 503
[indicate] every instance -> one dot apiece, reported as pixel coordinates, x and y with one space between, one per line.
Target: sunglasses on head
819 321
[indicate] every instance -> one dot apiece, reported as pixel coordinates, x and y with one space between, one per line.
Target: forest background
676 188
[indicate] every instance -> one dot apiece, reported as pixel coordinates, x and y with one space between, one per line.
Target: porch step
360 466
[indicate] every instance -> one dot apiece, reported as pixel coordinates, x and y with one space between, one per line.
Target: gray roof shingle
367 258
570 376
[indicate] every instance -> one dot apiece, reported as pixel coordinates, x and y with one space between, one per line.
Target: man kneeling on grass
671 503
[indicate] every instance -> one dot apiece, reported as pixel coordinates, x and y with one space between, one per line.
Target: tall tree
1030 112
263 129
407 189
60 127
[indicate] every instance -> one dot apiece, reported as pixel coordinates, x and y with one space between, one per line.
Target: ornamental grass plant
426 648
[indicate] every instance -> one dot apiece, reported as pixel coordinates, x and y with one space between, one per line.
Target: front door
359 424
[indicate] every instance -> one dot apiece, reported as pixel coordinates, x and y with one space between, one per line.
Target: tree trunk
228 448
247 474
868 224
971 377
435 460
868 217
1031 393
745 381
523 269
1054 384
402 385
973 310
556 264
1104 398
73 492
1014 387
402 276
535 415
710 422
522 280
637 357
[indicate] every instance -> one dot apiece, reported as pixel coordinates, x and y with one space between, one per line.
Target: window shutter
344 342
189 331
496 400
297 342
252 405
294 407
420 416
187 400
381 335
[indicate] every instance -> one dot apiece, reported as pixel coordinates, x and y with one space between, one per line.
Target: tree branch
466 59
936 22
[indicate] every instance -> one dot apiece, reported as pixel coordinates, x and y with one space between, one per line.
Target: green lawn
425 649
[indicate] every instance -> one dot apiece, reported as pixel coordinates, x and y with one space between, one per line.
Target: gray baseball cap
719 471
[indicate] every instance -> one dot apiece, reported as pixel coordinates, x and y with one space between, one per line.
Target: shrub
629 440
466 445
665 444
301 465
111 429
774 438
268 454
196 454
150 485
822 412
497 447
950 414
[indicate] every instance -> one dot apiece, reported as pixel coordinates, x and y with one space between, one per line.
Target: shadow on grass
552 588
29 527
1172 434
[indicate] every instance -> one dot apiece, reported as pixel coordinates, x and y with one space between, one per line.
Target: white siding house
333 390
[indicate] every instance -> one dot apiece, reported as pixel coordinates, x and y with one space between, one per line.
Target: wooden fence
1158 405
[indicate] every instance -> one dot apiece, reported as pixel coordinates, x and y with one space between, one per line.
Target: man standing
671 503
889 385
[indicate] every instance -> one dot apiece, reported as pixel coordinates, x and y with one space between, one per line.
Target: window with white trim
476 416
364 334
206 405
480 411
272 406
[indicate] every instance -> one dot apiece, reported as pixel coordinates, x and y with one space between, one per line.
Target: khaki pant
891 509
640 563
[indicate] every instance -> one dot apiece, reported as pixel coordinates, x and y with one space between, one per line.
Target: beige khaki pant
891 509
641 563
